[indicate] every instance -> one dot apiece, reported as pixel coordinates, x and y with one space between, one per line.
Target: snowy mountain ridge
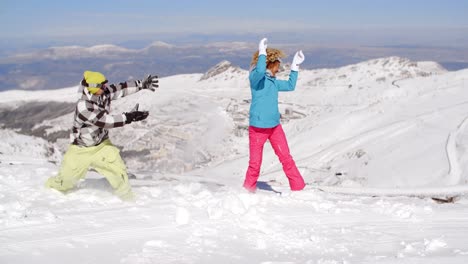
160 44
224 67
103 50
106 50
391 68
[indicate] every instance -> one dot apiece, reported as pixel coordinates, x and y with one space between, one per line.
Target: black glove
151 82
135 115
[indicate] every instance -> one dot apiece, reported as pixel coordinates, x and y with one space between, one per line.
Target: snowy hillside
389 127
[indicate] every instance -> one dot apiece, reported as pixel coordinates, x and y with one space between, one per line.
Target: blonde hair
272 56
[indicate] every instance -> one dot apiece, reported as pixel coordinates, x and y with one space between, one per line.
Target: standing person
90 144
264 119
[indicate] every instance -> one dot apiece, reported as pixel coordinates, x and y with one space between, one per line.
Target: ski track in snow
456 169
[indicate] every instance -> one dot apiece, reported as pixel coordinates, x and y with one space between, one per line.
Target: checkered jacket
92 118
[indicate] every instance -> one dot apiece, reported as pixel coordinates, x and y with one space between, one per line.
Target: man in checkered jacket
90 144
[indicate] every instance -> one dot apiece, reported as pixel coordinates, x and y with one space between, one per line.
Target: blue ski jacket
264 112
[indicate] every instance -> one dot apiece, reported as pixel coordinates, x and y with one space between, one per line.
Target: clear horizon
53 19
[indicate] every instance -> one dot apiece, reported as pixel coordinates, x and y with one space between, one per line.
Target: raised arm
258 73
126 88
290 85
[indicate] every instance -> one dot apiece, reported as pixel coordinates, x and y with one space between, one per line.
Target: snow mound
15 147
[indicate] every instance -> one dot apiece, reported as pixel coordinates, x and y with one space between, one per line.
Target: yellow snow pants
104 158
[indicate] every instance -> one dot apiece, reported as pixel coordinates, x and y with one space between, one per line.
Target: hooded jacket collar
269 74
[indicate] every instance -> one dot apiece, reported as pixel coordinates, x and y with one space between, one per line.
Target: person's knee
110 162
255 164
286 159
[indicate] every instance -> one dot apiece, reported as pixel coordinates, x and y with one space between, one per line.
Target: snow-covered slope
382 127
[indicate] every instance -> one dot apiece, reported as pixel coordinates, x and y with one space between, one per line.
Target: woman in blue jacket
265 117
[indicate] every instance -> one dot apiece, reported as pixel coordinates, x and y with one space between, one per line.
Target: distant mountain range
57 67
63 66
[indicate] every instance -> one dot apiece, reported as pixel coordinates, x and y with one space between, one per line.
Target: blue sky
19 18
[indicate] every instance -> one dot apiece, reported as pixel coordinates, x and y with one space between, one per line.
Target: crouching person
90 145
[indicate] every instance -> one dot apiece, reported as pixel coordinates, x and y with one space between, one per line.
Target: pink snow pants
257 138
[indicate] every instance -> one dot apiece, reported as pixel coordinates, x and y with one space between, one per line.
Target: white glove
298 59
262 47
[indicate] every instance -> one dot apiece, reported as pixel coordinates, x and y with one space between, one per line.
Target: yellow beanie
94 81
94 77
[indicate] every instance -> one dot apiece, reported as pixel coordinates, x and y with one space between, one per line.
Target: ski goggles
93 87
